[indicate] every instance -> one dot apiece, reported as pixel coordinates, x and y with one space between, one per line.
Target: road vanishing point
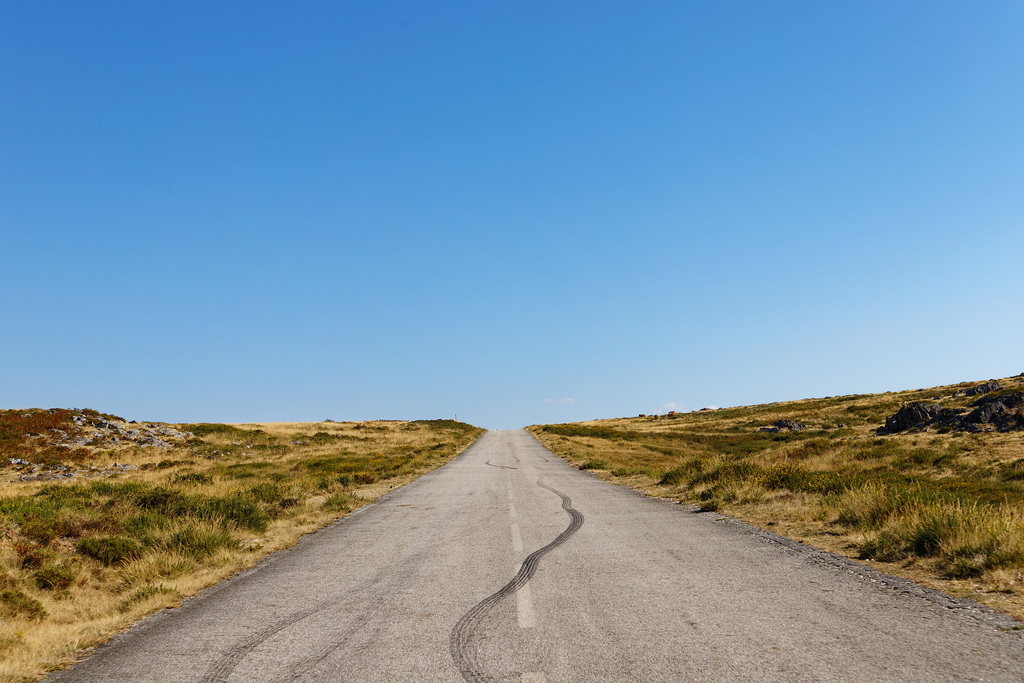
507 564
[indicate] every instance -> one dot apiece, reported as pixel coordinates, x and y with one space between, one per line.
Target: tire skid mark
221 670
504 467
300 667
459 640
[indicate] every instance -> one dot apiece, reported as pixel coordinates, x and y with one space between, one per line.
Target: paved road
509 565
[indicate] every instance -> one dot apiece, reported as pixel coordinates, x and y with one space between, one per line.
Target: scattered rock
46 476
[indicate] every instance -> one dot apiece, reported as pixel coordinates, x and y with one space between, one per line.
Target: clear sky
516 212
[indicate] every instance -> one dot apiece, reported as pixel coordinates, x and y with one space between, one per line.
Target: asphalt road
509 565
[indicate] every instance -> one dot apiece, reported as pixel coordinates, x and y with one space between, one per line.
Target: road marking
524 608
511 510
533 677
517 540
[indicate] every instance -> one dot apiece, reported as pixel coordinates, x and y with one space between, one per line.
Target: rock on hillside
978 390
990 413
784 425
41 444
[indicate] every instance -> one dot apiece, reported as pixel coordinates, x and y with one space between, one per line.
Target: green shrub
321 438
927 537
58 576
144 523
267 492
241 510
245 470
199 543
594 465
675 476
885 547
110 550
596 432
965 566
16 603
732 471
146 592
792 477
193 478
205 429
339 502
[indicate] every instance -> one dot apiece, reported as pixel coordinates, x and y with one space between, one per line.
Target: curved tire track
462 652
221 670
504 467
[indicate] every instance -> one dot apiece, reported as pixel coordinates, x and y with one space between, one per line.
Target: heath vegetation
103 521
928 484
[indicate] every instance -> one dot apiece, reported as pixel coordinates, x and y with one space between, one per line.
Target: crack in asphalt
459 641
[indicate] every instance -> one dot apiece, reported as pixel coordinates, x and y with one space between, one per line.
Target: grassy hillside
927 484
103 521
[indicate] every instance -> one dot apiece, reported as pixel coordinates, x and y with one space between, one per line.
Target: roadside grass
84 558
941 506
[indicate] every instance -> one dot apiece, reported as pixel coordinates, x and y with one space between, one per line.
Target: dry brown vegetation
93 537
941 505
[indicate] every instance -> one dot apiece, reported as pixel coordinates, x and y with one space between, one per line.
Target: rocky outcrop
978 390
990 412
913 416
100 431
1002 412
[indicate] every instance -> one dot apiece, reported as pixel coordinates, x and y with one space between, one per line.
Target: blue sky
514 212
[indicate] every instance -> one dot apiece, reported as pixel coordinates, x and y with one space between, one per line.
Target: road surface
507 564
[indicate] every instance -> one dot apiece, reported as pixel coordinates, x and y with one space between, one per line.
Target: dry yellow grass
942 506
191 515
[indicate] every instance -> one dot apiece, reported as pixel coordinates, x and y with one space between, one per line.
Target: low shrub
32 555
58 576
339 502
145 593
885 547
193 478
206 429
110 550
199 542
596 432
16 603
